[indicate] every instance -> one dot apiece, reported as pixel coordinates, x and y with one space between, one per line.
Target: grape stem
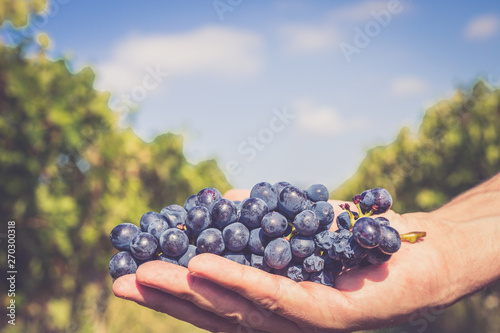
413 237
360 212
368 213
359 209
351 215
292 233
352 218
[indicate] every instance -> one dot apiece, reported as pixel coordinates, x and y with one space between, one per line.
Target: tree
456 147
18 11
70 174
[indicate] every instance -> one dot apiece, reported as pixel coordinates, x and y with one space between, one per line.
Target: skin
219 295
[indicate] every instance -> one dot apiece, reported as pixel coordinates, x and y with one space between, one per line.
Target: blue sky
278 90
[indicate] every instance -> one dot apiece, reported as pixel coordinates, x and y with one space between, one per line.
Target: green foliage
70 174
456 147
17 11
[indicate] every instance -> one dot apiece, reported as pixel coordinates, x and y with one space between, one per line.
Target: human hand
217 294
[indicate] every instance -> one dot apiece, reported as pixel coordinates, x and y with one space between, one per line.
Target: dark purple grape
391 241
317 192
274 224
164 257
314 263
382 221
281 271
156 228
292 201
224 212
175 216
378 200
308 205
188 255
258 241
324 228
122 263
306 223
140 262
266 192
252 212
302 246
297 273
122 235
324 240
341 245
277 253
324 277
355 256
377 257
174 242
343 234
324 213
331 265
238 208
236 236
238 257
208 197
149 217
198 219
296 260
279 186
344 221
258 262
143 246
210 241
191 202
367 232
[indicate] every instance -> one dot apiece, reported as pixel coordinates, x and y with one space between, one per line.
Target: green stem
413 237
351 217
292 233
360 212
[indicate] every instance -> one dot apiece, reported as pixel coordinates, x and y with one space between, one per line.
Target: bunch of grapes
280 229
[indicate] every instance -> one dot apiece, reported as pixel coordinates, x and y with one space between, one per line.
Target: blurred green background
70 173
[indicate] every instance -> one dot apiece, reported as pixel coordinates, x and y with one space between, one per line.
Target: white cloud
482 27
322 120
304 38
360 11
408 85
329 31
218 51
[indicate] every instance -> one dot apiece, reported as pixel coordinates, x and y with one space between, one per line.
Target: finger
237 194
126 287
278 294
179 282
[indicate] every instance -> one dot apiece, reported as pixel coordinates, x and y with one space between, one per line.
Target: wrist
471 255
